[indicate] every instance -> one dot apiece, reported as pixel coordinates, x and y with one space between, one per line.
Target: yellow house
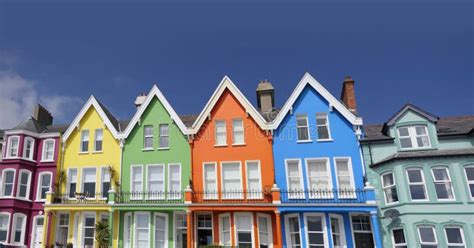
88 172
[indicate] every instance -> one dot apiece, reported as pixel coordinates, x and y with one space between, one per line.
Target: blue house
324 201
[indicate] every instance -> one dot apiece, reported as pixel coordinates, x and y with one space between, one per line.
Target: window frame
83 181
104 170
395 245
83 228
156 214
269 227
290 193
14 225
221 229
8 149
351 194
39 185
339 218
434 234
32 148
196 229
136 194
301 116
314 195
216 133
176 228
287 227
394 185
450 182
461 231
160 135
258 194
323 225
326 115
127 234
353 231
427 198
3 182
238 215
145 137
210 195
159 194
135 227
34 225
96 140
69 181
469 182
413 136
58 225
83 131
240 193
175 195
9 222
234 132
44 151
28 184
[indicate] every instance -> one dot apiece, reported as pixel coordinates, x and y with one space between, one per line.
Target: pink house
27 171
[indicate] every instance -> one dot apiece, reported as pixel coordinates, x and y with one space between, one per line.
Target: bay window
427 235
362 231
204 229
319 178
337 231
127 230
231 180
454 236
389 188
48 150
44 184
24 184
28 148
398 238
18 229
442 182
4 223
469 172
293 236
315 230
12 148
416 184
88 230
181 231
224 227
62 229
265 237
8 180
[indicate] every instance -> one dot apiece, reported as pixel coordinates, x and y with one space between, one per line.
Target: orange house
232 175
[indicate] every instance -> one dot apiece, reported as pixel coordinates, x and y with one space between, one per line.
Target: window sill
239 144
325 140
81 153
96 152
304 141
11 158
147 149
46 161
163 148
40 200
30 160
223 145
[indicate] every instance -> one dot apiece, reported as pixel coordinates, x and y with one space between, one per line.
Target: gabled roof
155 92
109 120
311 81
226 83
413 108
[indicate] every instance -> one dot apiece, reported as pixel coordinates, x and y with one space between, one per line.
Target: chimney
265 96
348 94
42 115
140 100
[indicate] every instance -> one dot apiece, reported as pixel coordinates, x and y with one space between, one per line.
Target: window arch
24 182
13 147
44 184
18 229
28 148
469 174
389 187
8 182
442 182
48 150
4 226
427 235
416 184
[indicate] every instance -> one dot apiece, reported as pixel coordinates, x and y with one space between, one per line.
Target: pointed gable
109 120
227 84
308 80
413 108
155 92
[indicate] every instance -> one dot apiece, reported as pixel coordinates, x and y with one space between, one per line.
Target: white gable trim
92 102
155 92
309 80
226 83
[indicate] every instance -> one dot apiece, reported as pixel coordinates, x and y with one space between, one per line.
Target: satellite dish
391 213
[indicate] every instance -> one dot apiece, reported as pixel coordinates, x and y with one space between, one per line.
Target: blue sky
56 53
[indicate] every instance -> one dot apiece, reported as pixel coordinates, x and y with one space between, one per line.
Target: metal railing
323 196
222 197
142 197
80 198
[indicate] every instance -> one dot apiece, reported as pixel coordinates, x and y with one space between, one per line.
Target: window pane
454 235
415 176
470 173
440 174
417 192
314 223
399 236
303 133
427 234
420 130
403 131
405 143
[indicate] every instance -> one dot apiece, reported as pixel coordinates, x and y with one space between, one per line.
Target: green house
156 169
422 168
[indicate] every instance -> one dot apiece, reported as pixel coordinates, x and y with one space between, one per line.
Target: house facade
88 172
423 169
156 170
324 201
27 172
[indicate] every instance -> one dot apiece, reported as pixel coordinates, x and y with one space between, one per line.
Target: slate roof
60 128
111 117
188 120
425 154
30 124
446 126
270 116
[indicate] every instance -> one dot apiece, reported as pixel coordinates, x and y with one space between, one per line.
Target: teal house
422 167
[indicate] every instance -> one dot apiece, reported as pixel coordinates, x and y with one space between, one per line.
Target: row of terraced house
308 174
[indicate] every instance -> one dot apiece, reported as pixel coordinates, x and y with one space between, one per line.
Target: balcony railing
223 197
323 196
174 197
80 198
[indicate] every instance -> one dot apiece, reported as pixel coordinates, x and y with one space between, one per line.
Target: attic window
414 137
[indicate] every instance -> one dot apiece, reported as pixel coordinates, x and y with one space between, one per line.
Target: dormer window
414 137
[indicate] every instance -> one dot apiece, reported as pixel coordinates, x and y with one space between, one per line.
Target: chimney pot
348 94
140 100
42 115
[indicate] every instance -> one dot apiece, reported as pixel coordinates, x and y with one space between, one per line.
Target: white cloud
19 95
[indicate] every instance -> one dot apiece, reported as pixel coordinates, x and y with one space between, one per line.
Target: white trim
83 226
269 227
233 132
28 184
258 194
327 126
242 214
394 245
382 181
469 182
323 224
209 195
329 175
101 141
82 140
77 223
216 135
159 194
44 150
8 147
423 183
2 188
166 228
127 236
174 194
102 181
33 229
135 226
295 195
175 226
309 80
339 218
83 181
461 232
450 182
287 229
302 117
58 219
436 243
69 181
91 102
351 174
9 221
40 181
196 228
14 226
160 135
352 226
226 83
34 135
145 136
238 195
412 135
155 91
221 229
32 149
132 189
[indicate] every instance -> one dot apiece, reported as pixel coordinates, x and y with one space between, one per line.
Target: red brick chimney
348 94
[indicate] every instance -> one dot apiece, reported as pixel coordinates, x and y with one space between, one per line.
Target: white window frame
339 218
83 132
9 147
417 183
449 181
287 228
166 227
361 231
412 135
69 181
221 230
14 225
40 181
258 194
9 220
209 195
394 185
434 233
32 148
461 231
127 230
269 228
301 116
33 228
135 193
101 140
176 227
395 245
469 182
75 234
323 223
84 181
3 181
83 229
327 126
196 229
349 195
103 172
58 225
175 195
216 133
319 195
242 214
145 136
160 135
235 130
135 227
44 152
238 193
155 194
28 184
291 194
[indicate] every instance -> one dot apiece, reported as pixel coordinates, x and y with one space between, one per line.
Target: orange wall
258 144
